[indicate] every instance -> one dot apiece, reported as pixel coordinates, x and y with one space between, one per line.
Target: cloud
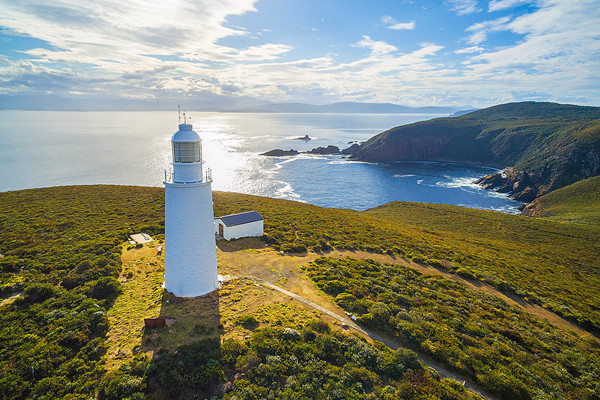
467 50
269 51
463 7
391 23
183 48
94 30
559 51
482 29
497 5
377 47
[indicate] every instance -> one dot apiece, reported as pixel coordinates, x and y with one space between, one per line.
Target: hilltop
506 302
548 145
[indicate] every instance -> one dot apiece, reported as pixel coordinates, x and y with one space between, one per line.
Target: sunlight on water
42 148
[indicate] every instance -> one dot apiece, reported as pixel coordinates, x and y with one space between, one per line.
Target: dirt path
467 383
266 266
283 270
11 299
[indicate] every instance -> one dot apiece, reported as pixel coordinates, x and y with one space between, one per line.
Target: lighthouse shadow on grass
187 351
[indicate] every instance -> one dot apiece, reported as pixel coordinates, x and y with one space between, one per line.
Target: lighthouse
190 247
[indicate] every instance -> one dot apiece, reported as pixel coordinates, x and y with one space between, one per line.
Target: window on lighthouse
187 152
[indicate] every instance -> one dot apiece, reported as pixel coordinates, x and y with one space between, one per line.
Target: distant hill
579 202
207 101
350 107
548 145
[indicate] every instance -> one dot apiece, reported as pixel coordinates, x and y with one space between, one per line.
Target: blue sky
447 52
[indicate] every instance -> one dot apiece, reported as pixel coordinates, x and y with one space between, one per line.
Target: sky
415 53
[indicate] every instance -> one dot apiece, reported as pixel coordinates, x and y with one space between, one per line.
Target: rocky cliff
546 145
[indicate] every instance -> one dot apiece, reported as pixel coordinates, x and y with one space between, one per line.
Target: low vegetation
307 361
61 247
507 351
579 202
540 260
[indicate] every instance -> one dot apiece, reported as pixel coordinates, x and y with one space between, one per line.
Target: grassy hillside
472 332
62 248
540 260
555 144
579 202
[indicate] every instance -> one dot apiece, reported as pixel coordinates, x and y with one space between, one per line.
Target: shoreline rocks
319 150
352 149
325 150
280 153
519 184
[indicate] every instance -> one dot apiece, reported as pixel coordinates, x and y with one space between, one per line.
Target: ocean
51 148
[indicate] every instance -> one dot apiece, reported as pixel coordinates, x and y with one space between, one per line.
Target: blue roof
241 218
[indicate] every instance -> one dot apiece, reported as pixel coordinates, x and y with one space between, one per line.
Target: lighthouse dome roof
185 134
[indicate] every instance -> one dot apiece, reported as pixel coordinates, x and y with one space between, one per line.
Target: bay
49 148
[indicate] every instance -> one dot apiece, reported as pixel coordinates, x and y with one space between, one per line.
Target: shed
235 226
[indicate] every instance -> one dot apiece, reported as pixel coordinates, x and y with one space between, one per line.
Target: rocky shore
319 150
280 153
518 184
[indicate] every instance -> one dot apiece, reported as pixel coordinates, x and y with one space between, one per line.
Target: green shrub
471 332
466 273
247 321
39 292
105 287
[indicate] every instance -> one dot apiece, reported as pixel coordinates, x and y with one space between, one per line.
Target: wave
405 176
263 136
341 162
459 183
287 192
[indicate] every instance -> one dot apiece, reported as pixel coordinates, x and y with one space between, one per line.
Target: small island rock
305 137
326 150
280 153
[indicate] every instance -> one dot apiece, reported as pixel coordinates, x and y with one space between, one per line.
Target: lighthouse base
190 247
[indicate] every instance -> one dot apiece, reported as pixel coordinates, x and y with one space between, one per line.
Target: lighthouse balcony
172 177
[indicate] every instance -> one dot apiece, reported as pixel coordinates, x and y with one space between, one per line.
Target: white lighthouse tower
190 247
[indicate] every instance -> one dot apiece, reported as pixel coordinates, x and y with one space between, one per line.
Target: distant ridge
207 102
350 107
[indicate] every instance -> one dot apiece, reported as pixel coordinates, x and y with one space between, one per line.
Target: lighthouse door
220 229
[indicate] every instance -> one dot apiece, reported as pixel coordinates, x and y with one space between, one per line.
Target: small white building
235 226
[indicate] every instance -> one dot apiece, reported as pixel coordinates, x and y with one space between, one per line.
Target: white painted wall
190 247
250 229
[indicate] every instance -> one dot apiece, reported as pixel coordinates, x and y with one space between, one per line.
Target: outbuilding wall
239 231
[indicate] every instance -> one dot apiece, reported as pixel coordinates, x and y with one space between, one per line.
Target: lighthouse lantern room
190 247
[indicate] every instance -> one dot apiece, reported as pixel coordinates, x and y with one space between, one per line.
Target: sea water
49 148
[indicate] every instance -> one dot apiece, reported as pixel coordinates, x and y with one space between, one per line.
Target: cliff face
435 140
562 170
547 146
424 148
